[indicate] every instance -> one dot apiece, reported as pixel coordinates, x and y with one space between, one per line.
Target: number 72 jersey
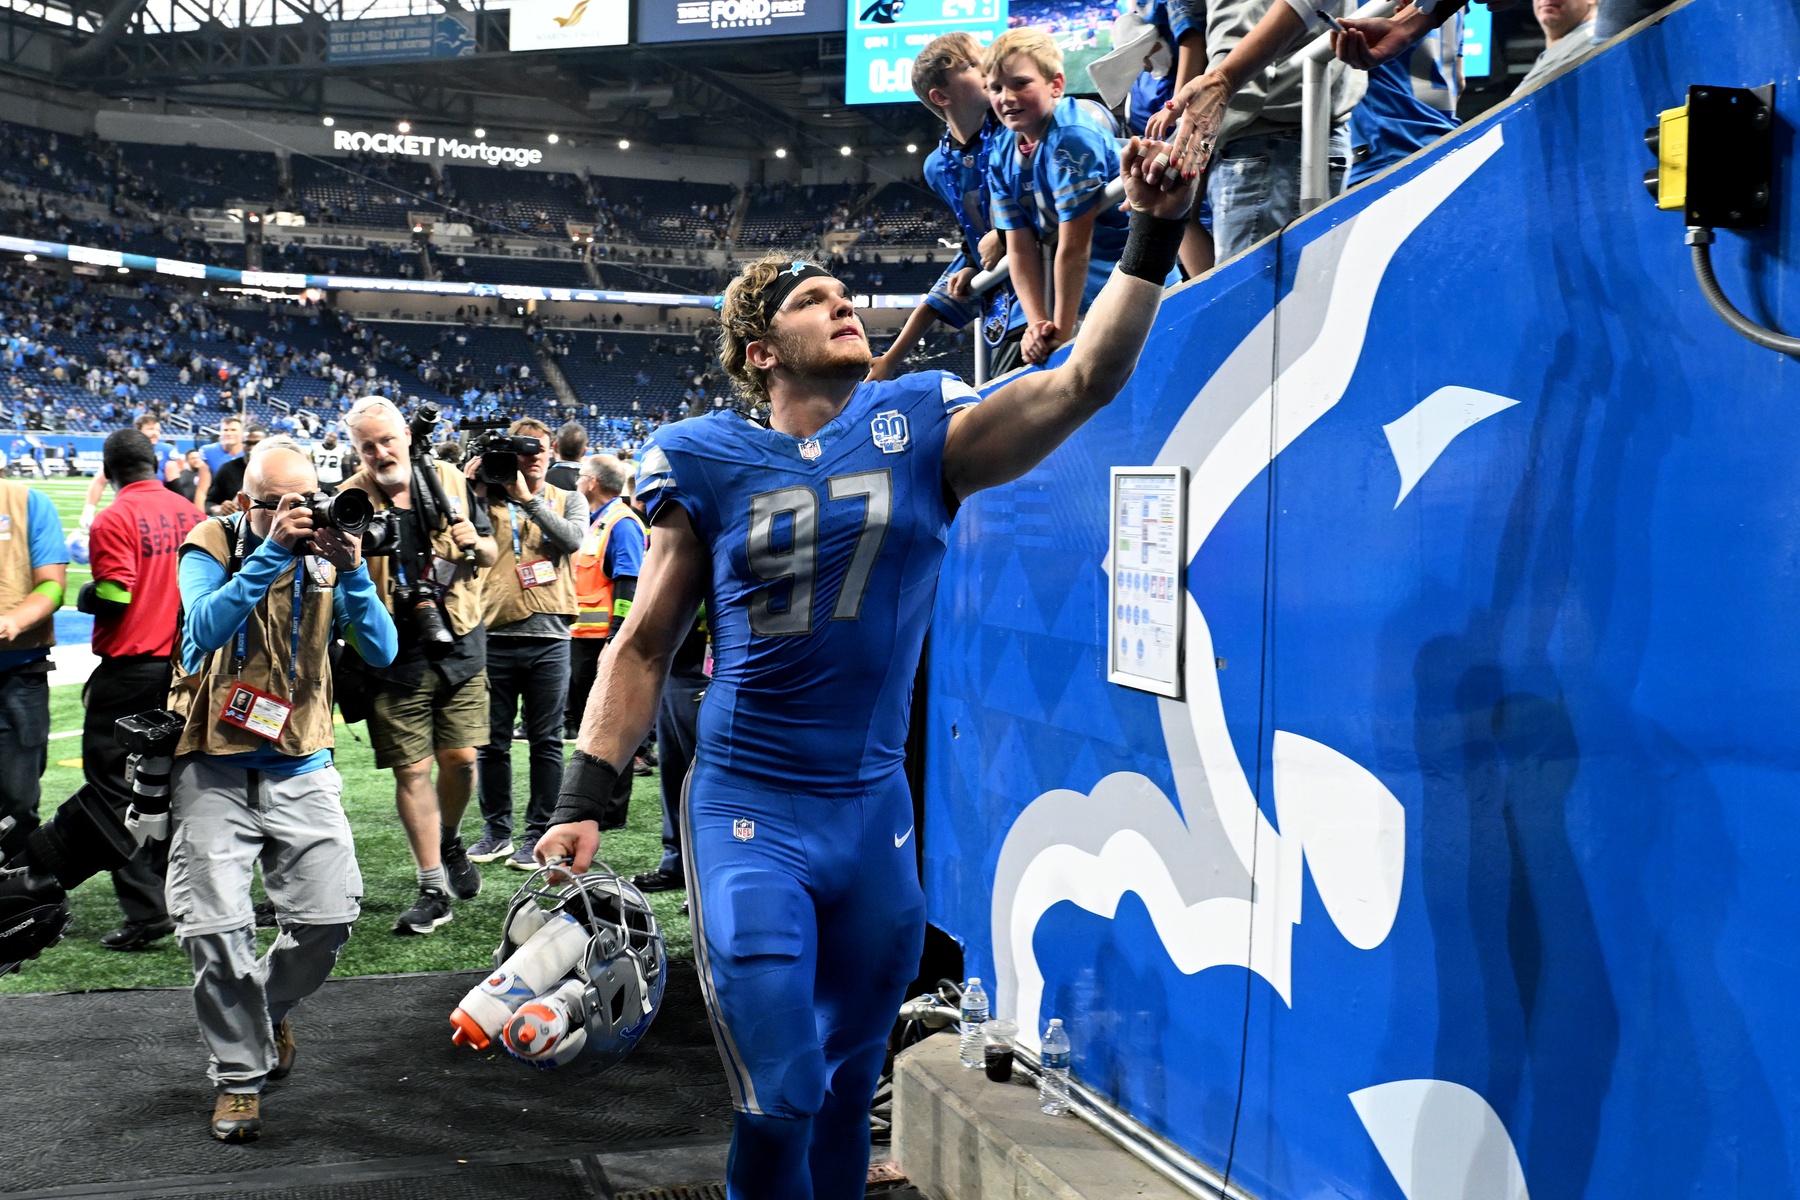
825 555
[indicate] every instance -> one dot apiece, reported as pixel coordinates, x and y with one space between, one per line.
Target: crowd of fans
80 357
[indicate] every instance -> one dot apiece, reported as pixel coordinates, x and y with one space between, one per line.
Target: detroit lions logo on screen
890 431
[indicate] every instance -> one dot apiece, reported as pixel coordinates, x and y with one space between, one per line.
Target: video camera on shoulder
499 451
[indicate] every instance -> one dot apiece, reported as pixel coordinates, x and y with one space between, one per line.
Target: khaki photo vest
503 599
462 603
15 565
268 662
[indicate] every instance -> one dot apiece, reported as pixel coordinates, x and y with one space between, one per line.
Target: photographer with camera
528 604
431 703
133 598
263 593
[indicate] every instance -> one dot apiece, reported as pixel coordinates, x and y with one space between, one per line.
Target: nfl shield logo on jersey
743 829
890 431
809 449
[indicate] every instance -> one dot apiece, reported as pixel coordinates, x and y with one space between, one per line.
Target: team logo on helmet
890 431
743 829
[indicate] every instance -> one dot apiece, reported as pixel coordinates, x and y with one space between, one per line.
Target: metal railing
1000 272
1315 111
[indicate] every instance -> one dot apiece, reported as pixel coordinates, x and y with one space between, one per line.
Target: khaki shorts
408 726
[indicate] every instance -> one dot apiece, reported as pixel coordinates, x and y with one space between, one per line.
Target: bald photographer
263 593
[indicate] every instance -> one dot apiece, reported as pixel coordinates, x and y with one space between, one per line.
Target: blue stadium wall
1467 866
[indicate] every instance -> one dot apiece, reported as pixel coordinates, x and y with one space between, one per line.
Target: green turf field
467 943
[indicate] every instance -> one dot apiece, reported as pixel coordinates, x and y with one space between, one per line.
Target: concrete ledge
960 1136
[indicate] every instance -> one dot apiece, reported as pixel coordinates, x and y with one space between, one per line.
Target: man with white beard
431 703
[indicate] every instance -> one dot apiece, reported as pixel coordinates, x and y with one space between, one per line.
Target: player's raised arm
1018 426
622 706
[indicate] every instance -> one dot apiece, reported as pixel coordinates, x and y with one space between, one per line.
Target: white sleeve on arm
1308 11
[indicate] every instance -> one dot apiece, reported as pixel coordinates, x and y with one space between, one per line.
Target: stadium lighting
124 270
912 147
31 258
844 150
780 152
481 133
404 127
330 121
553 139
624 143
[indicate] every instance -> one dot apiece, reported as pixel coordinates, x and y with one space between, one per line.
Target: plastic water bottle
974 1016
533 969
1053 1071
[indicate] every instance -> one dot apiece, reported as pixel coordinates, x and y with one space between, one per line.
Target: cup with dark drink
997 1049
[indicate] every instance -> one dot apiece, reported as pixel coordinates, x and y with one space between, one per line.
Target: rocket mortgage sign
425 146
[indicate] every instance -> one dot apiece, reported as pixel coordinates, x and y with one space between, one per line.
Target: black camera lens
350 510
382 537
421 602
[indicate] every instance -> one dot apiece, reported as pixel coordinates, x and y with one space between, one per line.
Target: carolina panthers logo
890 431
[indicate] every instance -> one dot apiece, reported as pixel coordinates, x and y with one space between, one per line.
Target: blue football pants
808 924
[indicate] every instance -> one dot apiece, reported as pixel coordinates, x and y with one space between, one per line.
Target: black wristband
1152 246
592 790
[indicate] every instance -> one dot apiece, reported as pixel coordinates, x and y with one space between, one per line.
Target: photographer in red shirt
133 598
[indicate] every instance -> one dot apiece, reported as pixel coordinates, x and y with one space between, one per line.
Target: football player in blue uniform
815 543
947 78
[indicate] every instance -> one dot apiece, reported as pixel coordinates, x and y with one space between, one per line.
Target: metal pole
1315 111
981 353
1315 136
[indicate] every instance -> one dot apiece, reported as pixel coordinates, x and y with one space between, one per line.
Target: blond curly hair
742 321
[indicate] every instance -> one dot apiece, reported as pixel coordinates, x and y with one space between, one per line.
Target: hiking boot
136 935
490 849
237 1117
284 1049
430 910
464 876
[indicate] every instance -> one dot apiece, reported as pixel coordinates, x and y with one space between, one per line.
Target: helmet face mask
624 970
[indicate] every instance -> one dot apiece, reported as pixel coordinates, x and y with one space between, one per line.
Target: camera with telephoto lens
420 602
84 837
349 510
499 452
149 738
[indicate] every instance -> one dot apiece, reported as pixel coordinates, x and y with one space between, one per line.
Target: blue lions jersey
1064 177
825 554
957 175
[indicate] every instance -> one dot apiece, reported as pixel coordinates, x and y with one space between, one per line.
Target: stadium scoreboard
884 36
705 20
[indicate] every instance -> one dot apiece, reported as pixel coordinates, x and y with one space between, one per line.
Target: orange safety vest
593 586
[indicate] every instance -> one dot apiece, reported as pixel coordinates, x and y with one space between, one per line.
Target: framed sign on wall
1146 616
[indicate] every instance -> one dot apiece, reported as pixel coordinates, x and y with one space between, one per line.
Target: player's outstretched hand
576 843
1142 191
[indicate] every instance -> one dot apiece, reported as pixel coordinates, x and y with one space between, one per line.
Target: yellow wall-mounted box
1672 159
